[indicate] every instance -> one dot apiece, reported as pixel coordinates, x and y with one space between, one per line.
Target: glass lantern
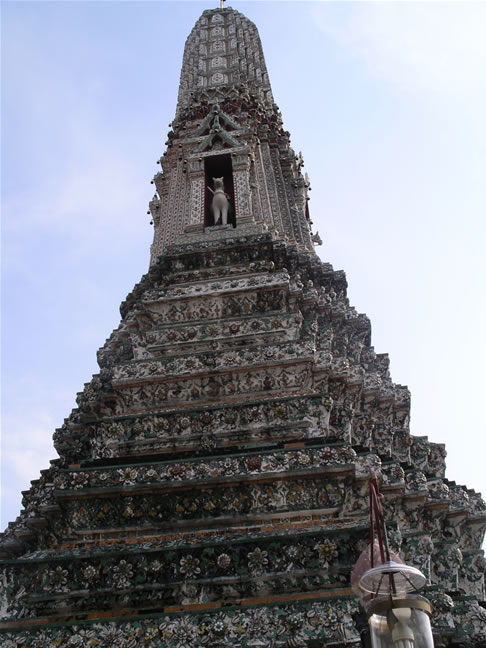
398 617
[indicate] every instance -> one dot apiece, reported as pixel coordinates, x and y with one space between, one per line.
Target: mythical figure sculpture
220 205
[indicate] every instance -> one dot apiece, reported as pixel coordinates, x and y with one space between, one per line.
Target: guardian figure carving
220 205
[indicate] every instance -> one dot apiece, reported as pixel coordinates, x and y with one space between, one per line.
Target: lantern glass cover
392 577
400 623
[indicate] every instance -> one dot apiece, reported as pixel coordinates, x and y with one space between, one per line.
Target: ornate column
241 180
195 168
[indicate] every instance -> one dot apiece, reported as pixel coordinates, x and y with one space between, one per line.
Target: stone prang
212 483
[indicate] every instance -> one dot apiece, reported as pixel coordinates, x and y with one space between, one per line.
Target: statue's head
218 183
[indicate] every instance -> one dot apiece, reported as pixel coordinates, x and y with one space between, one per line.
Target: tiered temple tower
211 488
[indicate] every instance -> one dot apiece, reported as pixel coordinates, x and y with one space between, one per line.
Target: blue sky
385 100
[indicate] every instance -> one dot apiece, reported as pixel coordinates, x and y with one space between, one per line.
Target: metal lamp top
392 578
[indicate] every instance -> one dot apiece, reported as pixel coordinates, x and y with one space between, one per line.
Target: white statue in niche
220 204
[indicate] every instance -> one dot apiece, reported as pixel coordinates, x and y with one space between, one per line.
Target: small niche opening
218 166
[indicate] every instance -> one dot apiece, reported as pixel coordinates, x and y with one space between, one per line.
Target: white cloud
26 441
418 46
74 152
27 448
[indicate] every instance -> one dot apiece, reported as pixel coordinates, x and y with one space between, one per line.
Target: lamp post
398 616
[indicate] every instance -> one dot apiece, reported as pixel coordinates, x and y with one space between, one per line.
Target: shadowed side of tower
212 482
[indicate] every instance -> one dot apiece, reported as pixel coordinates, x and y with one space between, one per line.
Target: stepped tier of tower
218 465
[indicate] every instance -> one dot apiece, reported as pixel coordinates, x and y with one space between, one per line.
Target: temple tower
212 482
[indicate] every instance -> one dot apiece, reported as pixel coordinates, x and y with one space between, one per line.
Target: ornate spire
222 52
227 127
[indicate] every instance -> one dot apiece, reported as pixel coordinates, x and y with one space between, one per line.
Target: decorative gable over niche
213 126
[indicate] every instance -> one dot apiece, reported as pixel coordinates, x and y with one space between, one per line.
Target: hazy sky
386 102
